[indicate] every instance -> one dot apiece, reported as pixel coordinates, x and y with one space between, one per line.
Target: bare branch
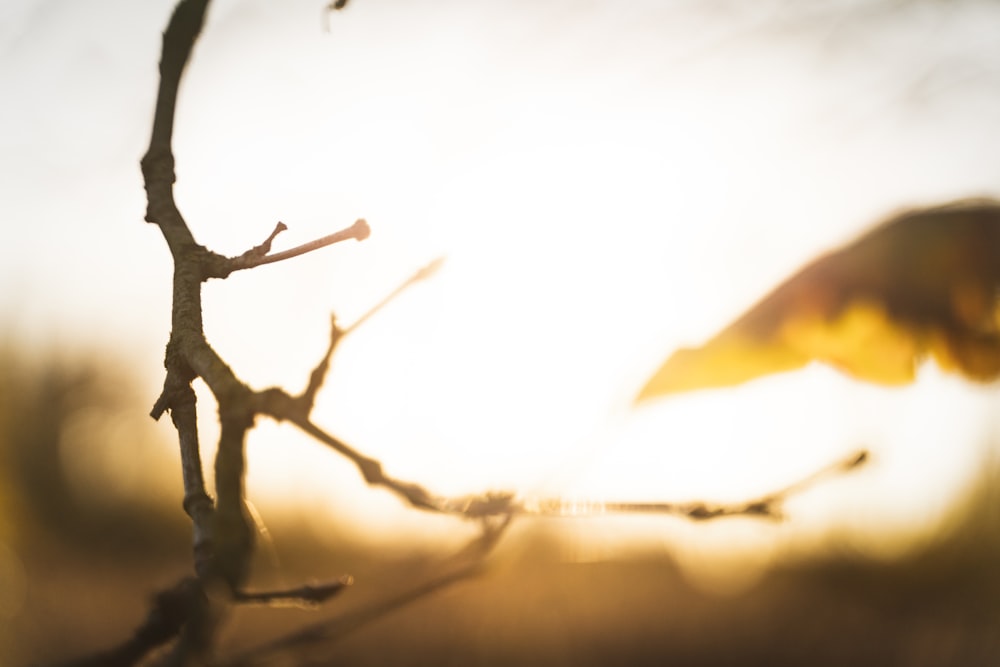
328 632
265 247
769 506
307 399
232 526
847 464
169 611
282 407
308 596
467 563
158 163
423 273
223 535
359 231
197 503
277 404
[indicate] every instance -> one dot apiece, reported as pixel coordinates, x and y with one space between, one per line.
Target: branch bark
222 529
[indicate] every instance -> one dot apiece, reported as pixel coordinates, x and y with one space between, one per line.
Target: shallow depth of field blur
607 183
83 549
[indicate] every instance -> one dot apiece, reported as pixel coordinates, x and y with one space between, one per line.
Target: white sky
608 181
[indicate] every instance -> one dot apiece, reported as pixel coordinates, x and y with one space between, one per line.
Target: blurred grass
84 555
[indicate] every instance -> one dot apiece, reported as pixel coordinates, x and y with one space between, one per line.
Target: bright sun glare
599 220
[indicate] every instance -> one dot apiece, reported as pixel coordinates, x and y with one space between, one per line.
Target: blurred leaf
922 284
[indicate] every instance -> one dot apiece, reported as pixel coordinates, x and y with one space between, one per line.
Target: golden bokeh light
598 204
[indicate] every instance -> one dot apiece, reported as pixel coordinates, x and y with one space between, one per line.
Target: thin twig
359 231
769 506
308 397
282 407
423 273
265 247
304 596
467 563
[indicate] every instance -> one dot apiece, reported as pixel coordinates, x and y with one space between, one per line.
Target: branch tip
159 408
423 273
259 255
361 229
309 595
429 270
858 459
278 228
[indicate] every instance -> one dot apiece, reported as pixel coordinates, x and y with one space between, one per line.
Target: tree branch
466 563
768 506
158 163
170 610
232 527
309 595
223 534
423 273
257 256
280 406
318 376
307 398
359 231
197 503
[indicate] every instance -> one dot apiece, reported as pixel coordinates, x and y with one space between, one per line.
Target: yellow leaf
924 283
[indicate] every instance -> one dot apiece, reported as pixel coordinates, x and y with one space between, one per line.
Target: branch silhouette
258 255
465 564
190 612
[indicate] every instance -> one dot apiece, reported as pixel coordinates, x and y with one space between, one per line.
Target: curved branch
158 163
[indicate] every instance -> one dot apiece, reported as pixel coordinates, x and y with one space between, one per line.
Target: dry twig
192 610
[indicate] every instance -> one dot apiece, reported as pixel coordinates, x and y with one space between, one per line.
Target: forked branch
261 254
192 610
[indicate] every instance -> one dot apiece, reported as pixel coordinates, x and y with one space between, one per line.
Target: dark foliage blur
82 553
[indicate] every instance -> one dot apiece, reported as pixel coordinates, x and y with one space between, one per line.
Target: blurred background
606 183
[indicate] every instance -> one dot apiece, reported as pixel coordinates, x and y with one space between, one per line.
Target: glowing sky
607 181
